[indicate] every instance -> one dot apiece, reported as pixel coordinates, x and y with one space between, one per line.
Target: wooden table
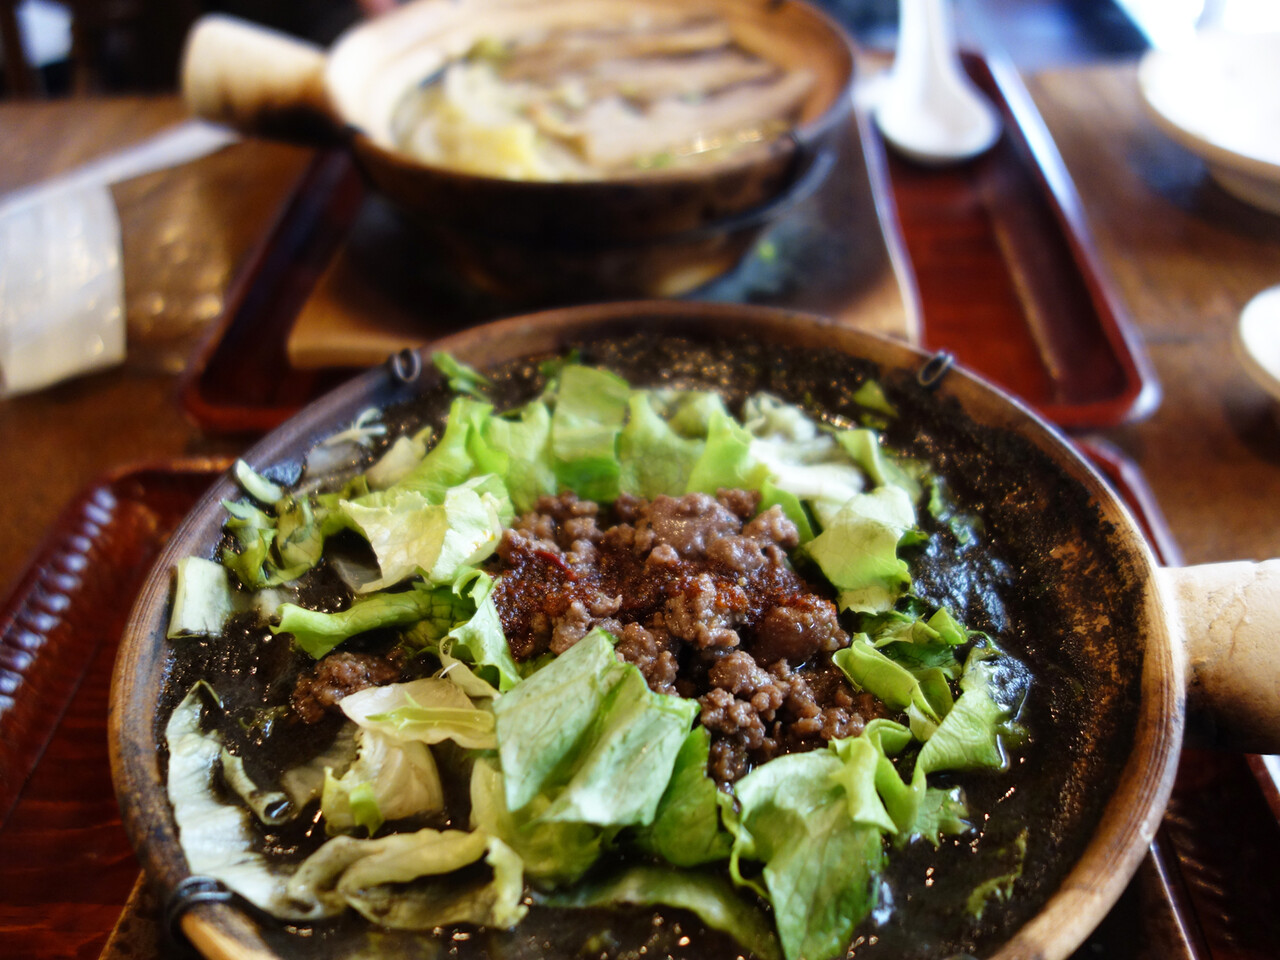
1185 257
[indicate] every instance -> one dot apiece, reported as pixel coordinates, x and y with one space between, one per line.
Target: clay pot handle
258 80
1230 615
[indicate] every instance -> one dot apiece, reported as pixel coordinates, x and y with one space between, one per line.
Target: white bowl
1218 95
1258 340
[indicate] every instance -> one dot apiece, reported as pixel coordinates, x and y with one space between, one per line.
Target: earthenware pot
1129 646
654 234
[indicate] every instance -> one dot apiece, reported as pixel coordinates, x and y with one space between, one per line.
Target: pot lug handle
258 80
1230 619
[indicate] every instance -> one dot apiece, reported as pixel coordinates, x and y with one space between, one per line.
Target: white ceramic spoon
928 109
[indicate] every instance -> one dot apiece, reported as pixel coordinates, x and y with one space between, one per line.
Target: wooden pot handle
1230 617
257 80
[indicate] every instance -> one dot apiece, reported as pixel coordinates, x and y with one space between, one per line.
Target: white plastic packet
61 285
61 289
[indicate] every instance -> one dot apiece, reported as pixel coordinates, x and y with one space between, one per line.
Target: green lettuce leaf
802 459
450 461
820 866
588 730
479 640
389 780
726 461
865 449
412 536
655 459
428 710
686 829
553 853
1000 887
256 485
543 722
202 599
709 896
396 462
404 881
461 377
871 396
622 770
526 439
217 837
858 551
688 411
925 695
317 633
591 406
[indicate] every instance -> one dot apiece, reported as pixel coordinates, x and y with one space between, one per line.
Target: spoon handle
926 47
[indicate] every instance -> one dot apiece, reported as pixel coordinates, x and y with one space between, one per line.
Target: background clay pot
659 234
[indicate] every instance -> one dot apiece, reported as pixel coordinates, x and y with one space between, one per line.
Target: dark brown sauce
1070 615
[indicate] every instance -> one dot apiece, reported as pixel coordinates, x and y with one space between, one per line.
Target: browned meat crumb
336 676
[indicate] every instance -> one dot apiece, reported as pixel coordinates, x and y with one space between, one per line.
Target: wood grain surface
185 232
1186 258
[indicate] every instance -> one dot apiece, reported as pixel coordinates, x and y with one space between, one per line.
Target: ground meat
702 599
689 523
651 651
724 713
336 676
773 526
704 611
737 553
795 632
742 503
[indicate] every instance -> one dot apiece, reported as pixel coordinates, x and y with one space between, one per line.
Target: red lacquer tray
1009 278
67 872
1006 273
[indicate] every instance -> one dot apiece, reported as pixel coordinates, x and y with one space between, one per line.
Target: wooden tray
67 872
999 253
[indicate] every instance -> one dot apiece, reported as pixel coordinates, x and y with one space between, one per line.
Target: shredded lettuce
217 837
462 378
820 865
256 485
554 853
317 633
202 599
924 694
413 537
402 880
591 406
1000 887
654 458
726 461
430 710
709 896
686 829
858 551
589 728
574 762
526 439
390 779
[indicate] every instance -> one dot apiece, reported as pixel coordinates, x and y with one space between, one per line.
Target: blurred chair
20 77
116 45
